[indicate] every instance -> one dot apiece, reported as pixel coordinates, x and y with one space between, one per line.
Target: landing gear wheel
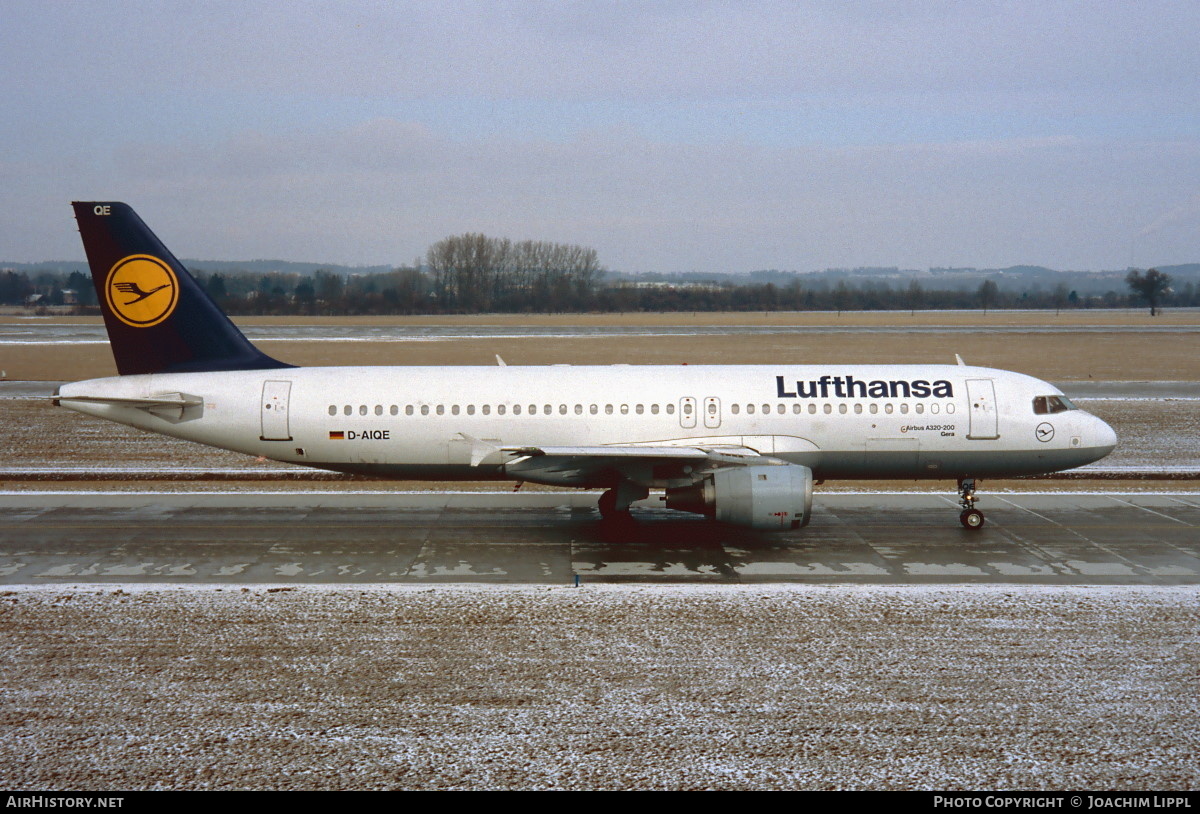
971 519
608 503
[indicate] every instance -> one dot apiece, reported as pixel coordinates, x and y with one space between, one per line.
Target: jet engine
769 498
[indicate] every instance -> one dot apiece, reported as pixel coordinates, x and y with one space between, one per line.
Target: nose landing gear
971 518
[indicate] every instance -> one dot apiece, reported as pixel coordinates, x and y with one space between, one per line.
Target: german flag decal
337 435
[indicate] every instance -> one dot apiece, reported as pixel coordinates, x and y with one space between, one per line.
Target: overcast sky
669 136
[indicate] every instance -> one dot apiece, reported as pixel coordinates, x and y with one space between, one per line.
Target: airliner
740 444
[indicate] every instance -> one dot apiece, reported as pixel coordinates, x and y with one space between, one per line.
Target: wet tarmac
854 538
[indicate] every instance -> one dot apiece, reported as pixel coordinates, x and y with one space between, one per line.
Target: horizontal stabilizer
167 405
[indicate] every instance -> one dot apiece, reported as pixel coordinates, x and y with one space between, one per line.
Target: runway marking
1088 540
1011 569
759 569
948 569
1178 499
1148 509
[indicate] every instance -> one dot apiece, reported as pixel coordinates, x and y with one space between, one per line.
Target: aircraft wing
595 465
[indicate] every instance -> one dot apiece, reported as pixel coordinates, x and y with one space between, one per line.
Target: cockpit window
1045 405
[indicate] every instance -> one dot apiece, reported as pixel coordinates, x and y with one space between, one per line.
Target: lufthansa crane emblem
141 290
1044 432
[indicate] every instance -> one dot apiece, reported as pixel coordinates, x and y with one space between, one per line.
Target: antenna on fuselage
961 363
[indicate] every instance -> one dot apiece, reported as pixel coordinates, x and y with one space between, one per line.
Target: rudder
159 319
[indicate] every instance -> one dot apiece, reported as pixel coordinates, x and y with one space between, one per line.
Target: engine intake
769 498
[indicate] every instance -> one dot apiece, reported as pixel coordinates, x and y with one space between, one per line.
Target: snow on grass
606 686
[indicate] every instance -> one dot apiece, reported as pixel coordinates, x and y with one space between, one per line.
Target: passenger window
470 409
735 408
378 409
858 409
624 409
920 408
608 409
874 409
812 409
796 409
828 409
454 409
441 409
578 409
750 409
362 409
424 409
842 409
639 409
593 409
653 409
499 409
394 410
346 410
670 409
904 408
333 409
562 409
516 409
887 408
408 409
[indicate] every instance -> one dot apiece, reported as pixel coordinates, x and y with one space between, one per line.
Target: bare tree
1151 287
473 272
988 293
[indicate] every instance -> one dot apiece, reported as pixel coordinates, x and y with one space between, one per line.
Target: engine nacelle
769 498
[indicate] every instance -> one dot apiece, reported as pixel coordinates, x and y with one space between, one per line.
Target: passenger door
981 397
275 424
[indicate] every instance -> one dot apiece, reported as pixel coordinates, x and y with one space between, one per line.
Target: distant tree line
472 273
475 273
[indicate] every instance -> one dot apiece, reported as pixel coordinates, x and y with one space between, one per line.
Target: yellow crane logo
141 290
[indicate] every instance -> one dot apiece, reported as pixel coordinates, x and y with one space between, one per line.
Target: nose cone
1103 438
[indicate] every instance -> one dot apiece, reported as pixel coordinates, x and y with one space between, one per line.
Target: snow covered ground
471 687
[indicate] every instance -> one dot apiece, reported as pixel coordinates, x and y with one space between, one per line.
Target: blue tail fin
159 319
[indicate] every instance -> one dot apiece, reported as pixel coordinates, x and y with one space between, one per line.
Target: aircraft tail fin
159 318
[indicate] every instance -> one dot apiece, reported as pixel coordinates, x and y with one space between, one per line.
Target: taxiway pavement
1059 538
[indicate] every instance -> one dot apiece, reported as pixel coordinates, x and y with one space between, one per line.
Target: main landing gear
614 504
971 518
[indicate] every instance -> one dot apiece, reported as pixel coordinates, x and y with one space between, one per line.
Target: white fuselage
842 421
